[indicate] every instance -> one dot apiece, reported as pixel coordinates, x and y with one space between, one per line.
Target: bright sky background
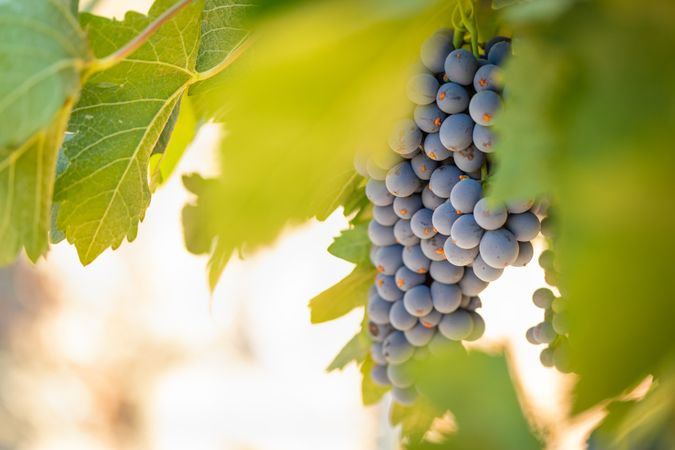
243 369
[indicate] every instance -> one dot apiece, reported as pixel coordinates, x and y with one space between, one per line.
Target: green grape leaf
478 390
371 393
103 191
416 421
355 350
351 292
571 126
175 140
26 186
42 51
223 30
317 101
352 245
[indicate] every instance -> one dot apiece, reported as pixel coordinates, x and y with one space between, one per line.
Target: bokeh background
133 352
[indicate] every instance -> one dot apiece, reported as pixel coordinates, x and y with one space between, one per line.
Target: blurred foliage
295 109
588 119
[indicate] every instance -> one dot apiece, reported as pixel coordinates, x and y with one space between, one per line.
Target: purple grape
470 159
465 195
457 256
456 132
434 148
445 272
499 248
421 224
414 259
401 180
422 88
423 166
403 233
452 98
460 66
443 179
405 207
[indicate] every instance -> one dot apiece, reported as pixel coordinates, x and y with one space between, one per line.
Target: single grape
457 325
423 166
405 207
422 88
558 305
386 287
544 333
531 336
546 357
560 323
484 106
484 271
458 256
376 353
388 259
561 358
460 66
524 226
379 375
434 148
360 163
478 327
378 310
419 335
456 132
446 298
405 397
518 206
429 118
469 159
465 232
543 297
525 254
377 193
546 260
470 284
396 348
435 49
414 259
421 224
493 41
445 272
443 179
488 77
499 248
547 228
403 233
400 375
385 215
407 279
375 172
489 217
432 319
483 138
406 137
433 247
452 98
377 332
444 216
465 195
431 200
401 180
499 52
381 235
417 301
399 318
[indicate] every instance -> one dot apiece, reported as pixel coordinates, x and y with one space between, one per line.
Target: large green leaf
318 82
42 51
103 192
352 245
223 30
591 126
26 187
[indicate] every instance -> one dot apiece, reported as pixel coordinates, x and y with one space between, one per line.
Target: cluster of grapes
553 331
437 240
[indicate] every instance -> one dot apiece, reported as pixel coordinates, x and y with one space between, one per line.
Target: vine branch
222 65
119 55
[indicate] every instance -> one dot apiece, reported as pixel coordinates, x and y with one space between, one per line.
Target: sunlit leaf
352 245
351 292
222 30
355 350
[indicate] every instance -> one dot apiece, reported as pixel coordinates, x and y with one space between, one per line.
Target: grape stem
222 65
119 55
469 23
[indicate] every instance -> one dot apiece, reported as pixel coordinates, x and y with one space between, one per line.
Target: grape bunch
553 331
437 240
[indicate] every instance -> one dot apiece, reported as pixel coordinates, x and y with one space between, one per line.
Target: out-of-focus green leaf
26 186
355 350
417 421
351 292
181 134
319 82
588 120
498 4
478 390
42 52
371 393
352 245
